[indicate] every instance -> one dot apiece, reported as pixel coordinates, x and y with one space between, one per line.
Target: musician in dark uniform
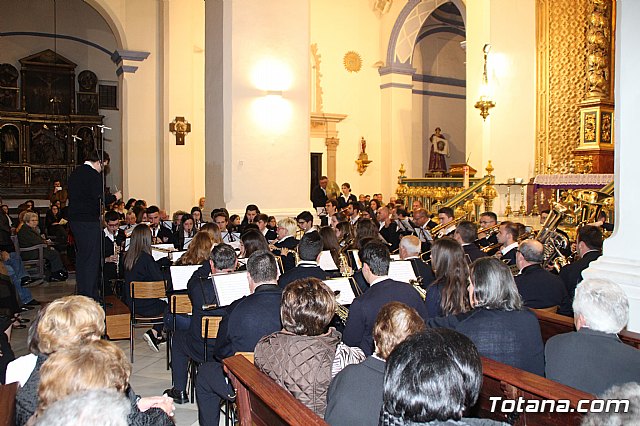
346 197
508 237
420 219
319 197
589 245
410 250
487 220
445 215
285 231
159 234
86 199
113 239
466 233
309 249
388 228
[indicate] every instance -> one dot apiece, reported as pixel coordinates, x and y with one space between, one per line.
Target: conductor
86 195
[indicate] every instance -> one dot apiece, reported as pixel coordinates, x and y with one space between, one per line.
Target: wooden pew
8 404
511 383
552 324
261 401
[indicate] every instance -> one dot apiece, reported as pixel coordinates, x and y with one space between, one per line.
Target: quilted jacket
304 365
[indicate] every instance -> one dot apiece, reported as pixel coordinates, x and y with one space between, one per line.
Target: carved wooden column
596 110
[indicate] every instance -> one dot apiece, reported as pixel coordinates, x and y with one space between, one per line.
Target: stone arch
407 27
112 20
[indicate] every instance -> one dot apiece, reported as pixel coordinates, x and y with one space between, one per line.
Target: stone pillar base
625 273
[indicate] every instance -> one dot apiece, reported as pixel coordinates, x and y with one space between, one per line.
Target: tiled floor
150 376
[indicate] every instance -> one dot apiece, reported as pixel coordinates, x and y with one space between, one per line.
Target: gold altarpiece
571 57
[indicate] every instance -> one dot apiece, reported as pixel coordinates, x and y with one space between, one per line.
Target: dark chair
144 290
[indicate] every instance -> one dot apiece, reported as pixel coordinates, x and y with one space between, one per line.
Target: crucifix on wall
180 127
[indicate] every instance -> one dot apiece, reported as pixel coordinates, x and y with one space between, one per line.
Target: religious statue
439 148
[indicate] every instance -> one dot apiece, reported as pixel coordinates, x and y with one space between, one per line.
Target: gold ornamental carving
316 80
561 75
599 50
352 61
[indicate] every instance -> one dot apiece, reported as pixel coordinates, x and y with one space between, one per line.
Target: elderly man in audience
309 250
364 309
593 358
306 354
499 325
245 322
190 344
537 287
446 377
466 234
355 394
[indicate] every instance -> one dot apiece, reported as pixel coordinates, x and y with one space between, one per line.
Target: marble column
621 259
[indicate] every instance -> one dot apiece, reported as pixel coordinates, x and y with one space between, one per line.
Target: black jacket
301 271
145 269
247 320
541 289
288 261
391 235
342 203
318 197
572 274
85 193
473 251
510 337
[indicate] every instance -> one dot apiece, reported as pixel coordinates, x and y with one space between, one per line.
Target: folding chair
144 290
178 304
38 264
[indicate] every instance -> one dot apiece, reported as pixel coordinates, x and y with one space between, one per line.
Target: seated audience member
199 250
330 250
69 322
245 322
498 323
159 234
432 378
508 237
447 294
286 242
308 306
198 221
29 236
262 220
213 231
190 344
98 364
355 394
388 228
183 236
98 407
589 246
466 234
139 265
538 288
593 358
305 222
628 391
309 250
410 250
20 369
56 231
364 309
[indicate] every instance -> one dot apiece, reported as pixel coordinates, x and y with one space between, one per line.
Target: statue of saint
439 148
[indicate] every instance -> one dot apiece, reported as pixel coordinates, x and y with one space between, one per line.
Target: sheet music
180 275
159 254
230 287
187 241
401 270
175 255
356 256
343 285
395 257
326 261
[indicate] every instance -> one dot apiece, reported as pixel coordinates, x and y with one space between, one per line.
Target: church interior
516 107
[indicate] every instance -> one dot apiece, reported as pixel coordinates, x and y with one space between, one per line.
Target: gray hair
628 391
494 287
262 267
98 407
532 251
603 305
411 244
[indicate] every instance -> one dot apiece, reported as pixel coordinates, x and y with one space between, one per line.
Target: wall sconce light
277 93
485 103
180 127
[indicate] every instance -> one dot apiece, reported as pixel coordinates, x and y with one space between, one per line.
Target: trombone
437 230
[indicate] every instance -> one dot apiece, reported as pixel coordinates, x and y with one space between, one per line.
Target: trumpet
491 247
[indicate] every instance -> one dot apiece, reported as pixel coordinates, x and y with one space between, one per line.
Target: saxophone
417 285
345 270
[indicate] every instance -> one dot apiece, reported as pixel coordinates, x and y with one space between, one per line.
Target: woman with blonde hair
213 231
286 243
199 250
70 322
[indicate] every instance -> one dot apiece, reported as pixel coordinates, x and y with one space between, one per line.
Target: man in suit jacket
421 230
364 309
593 358
246 321
309 250
589 246
388 228
466 234
537 287
190 344
508 237
410 250
159 234
319 197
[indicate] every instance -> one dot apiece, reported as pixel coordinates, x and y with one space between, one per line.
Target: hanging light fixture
485 103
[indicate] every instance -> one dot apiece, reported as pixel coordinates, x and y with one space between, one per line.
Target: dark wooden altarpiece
41 109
